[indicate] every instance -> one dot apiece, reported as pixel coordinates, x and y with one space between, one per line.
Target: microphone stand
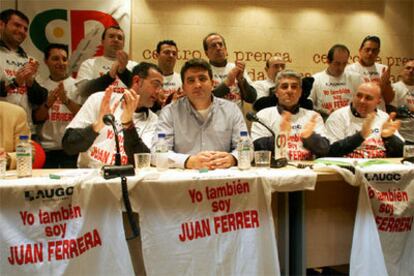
121 171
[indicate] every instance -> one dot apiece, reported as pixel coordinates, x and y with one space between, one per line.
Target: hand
309 127
32 67
285 124
240 66
114 69
59 93
26 73
390 126
179 93
200 160
122 58
385 76
222 160
104 109
129 105
231 77
367 124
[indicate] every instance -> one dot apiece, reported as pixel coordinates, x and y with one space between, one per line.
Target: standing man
230 80
372 71
17 83
404 101
333 88
360 130
201 130
303 128
59 109
166 55
113 68
94 141
274 65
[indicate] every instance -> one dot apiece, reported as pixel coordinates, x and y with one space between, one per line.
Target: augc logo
383 177
52 194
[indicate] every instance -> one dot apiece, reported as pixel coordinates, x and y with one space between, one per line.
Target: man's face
167 58
198 86
368 53
337 66
276 65
408 73
148 88
216 50
367 98
14 32
57 63
113 42
288 92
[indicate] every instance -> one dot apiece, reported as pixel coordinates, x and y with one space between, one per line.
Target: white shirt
342 123
94 68
220 74
171 83
262 87
330 93
102 150
404 96
59 116
271 117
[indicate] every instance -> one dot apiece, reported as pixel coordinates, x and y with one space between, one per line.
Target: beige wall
300 31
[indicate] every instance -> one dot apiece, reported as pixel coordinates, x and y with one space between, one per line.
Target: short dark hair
142 69
167 42
196 63
116 27
205 46
372 38
331 51
55 46
6 14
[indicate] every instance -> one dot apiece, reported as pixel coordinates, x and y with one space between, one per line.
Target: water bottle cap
24 137
243 133
161 135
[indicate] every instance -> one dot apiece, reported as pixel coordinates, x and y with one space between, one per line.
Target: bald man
274 65
361 130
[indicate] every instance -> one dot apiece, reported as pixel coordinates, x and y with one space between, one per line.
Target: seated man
89 136
304 128
11 127
201 129
361 130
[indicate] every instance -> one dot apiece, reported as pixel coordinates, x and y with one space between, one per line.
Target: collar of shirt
294 110
19 51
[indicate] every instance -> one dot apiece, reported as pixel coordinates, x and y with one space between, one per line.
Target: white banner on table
383 242
61 227
207 227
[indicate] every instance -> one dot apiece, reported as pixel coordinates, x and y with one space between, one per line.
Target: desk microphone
109 120
253 118
404 112
274 163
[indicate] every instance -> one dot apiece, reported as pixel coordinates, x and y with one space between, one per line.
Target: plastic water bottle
245 151
161 153
24 157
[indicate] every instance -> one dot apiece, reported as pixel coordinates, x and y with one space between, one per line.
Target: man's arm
133 143
36 94
88 87
247 91
76 140
394 146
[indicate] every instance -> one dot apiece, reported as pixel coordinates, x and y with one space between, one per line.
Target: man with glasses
88 135
370 70
230 79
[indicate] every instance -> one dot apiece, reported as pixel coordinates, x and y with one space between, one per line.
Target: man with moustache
59 109
17 70
113 68
303 129
333 88
93 140
201 130
361 130
404 99
166 55
230 79
274 65
370 70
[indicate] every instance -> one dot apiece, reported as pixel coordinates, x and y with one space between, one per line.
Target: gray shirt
187 133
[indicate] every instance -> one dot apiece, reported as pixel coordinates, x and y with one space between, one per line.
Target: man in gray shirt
201 130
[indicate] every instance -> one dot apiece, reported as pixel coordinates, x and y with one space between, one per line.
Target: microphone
404 112
274 163
253 118
109 120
